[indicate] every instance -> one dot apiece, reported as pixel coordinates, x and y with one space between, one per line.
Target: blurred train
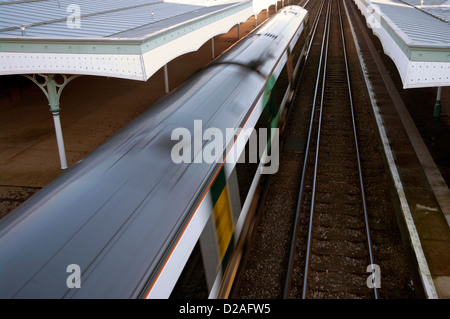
129 222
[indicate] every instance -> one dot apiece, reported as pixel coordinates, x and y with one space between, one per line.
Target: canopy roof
116 38
415 37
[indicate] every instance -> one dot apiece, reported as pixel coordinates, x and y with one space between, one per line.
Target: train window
245 172
279 90
298 47
192 281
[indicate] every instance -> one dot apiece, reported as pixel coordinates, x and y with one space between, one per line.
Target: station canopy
415 34
130 39
113 38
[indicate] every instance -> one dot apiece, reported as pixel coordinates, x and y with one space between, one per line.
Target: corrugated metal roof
438 8
109 24
53 19
416 27
31 13
168 19
47 19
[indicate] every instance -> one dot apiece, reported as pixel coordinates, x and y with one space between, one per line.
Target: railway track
342 221
338 241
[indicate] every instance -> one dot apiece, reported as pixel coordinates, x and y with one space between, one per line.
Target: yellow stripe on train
223 222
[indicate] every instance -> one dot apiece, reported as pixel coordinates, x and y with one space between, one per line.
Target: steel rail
311 216
311 38
308 250
366 218
294 235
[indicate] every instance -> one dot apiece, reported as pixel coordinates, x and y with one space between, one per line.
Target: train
151 213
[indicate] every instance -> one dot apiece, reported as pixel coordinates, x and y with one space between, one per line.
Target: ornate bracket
52 90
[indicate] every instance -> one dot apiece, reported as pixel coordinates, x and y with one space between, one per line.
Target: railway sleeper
340 148
340 186
339 282
333 174
340 221
336 163
344 252
328 243
339 292
333 266
329 199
